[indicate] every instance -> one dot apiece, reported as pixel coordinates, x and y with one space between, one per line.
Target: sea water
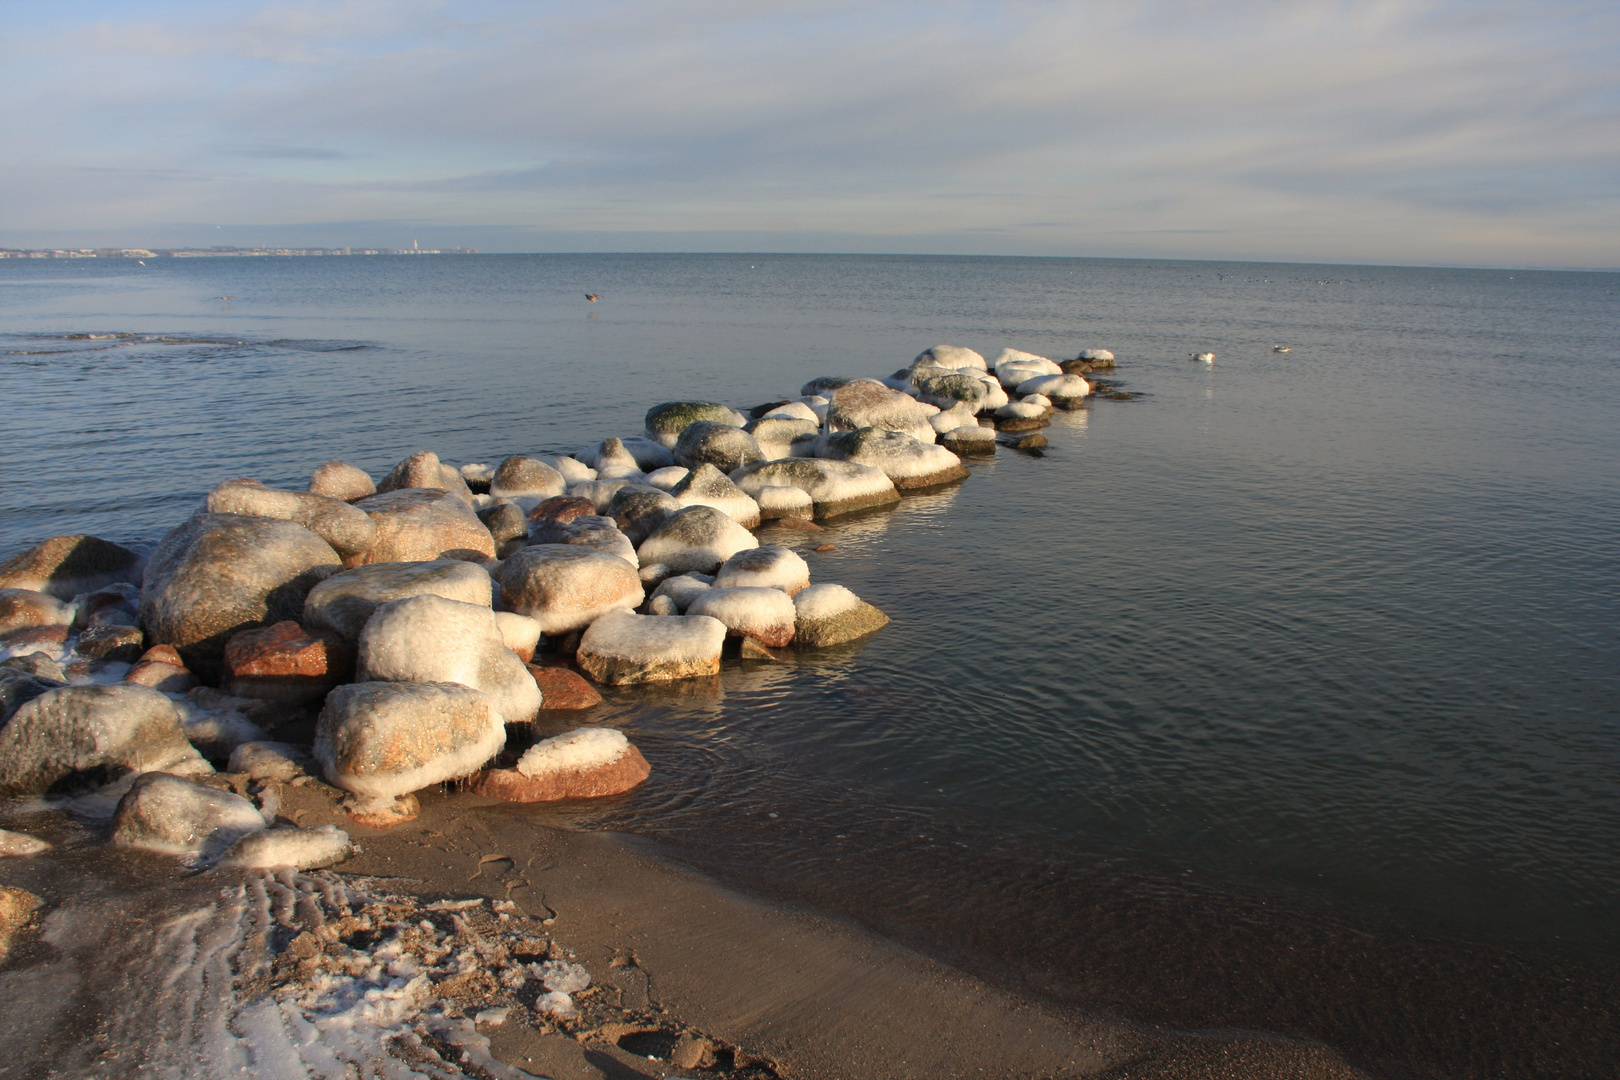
1335 629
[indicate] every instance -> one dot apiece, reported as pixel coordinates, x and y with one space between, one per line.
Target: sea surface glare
1336 629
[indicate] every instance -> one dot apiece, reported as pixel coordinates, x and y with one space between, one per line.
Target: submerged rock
284 662
769 566
348 529
343 602
383 740
866 403
907 463
428 639
417 524
221 573
832 615
721 445
566 587
623 648
65 566
174 816
583 764
696 538
524 476
835 487
666 422
298 848
764 615
706 485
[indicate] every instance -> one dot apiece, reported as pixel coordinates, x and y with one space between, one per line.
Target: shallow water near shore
1333 633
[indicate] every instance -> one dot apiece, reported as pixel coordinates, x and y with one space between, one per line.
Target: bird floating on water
224 298
1282 348
593 297
1205 357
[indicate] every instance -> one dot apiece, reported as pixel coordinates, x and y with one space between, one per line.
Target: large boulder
21 608
696 538
423 469
706 485
951 356
349 530
286 663
429 639
769 566
566 587
600 533
600 493
721 445
340 480
665 422
623 648
974 441
947 389
824 385
867 403
764 615
583 764
783 503
524 476
680 591
1065 391
832 615
221 573
18 688
836 487
776 436
65 566
418 524
507 526
547 519
382 740
102 731
175 816
907 463
562 690
343 602
638 509
793 410
612 459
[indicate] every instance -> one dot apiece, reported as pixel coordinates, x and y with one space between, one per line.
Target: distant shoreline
214 252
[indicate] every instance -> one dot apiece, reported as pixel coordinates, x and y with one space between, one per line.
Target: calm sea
1298 668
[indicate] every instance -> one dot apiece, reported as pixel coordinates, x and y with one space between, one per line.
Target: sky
1384 131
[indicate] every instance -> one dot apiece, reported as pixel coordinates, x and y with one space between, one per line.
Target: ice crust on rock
566 587
21 608
667 477
623 648
681 590
572 470
957 416
429 639
343 602
65 566
764 614
423 469
264 760
387 739
777 436
769 566
618 457
348 529
793 410
340 480
696 538
951 356
299 848
417 524
546 519
905 461
519 633
74 729
174 816
867 403
519 475
600 492
1018 356
780 501
830 614
638 509
946 389
825 601
722 445
1023 410
706 485
1056 387
665 422
835 487
586 748
1095 354
601 534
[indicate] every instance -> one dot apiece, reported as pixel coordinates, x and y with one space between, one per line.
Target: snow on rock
600 533
88 729
507 523
1023 410
666 422
264 760
416 524
519 633
793 410
623 648
519 475
907 463
301 849
1095 354
951 356
599 493
667 477
706 485
777 436
835 487
174 816
780 501
1017 356
946 389
638 509
429 639
682 589
383 740
957 416
348 529
582 764
217 726
423 469
16 843
831 615
343 602
770 566
1065 391
867 403
567 587
696 538
722 445
21 608
572 470
65 566
765 615
620 457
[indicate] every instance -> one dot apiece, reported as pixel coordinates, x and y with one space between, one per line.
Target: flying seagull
593 297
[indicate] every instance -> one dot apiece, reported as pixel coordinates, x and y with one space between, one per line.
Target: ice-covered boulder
24 607
665 422
298 848
721 445
348 529
793 410
638 510
343 602
418 524
623 648
547 518
566 587
382 740
429 639
764 615
706 485
423 469
974 441
769 566
507 525
65 566
18 688
612 459
600 493
99 730
781 502
776 436
284 662
836 487
583 764
572 469
667 477
951 356
221 573
682 589
175 816
1065 391
957 416
340 480
823 385
947 389
1018 356
1023 410
264 760
696 538
1088 361
907 463
525 476
831 615
520 633
866 403
600 533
